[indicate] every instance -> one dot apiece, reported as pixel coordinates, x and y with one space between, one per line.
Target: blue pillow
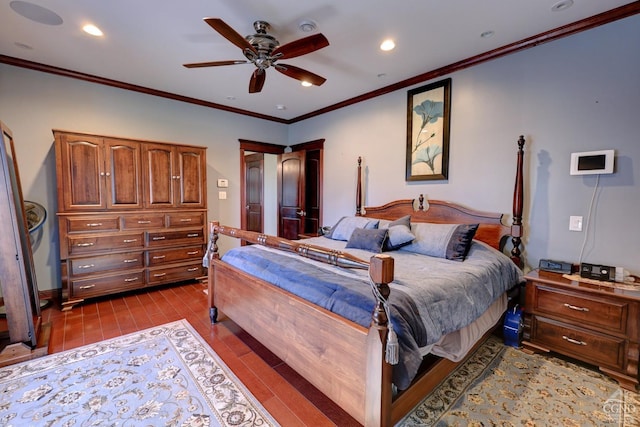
371 240
345 226
399 233
450 241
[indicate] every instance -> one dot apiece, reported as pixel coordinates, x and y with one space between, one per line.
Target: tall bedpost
212 253
379 372
518 197
359 188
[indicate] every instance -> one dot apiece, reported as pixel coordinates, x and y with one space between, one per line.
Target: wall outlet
222 195
575 223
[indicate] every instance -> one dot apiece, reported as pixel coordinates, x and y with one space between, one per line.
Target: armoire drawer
142 221
92 224
100 263
185 219
599 349
89 244
174 274
182 237
164 256
102 285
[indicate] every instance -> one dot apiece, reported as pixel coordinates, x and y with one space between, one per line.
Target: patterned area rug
503 386
162 376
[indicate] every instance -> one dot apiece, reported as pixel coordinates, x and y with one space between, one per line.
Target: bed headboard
491 230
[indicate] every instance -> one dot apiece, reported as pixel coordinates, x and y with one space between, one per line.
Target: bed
358 364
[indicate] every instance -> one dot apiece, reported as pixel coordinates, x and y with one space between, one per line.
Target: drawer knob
193 235
87 286
144 222
130 240
132 279
192 269
193 253
159 238
185 219
129 261
159 274
94 224
83 245
159 257
572 341
576 308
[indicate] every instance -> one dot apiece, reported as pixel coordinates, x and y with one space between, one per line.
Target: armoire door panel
83 163
159 175
190 177
123 174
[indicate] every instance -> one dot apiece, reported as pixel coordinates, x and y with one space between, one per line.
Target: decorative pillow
450 241
399 233
368 239
345 226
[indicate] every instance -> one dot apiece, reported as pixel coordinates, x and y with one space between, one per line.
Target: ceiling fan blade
229 33
300 74
213 64
302 46
257 80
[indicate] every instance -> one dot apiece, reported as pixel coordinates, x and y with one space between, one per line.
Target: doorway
296 193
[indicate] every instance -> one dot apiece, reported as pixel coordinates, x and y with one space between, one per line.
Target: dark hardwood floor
290 399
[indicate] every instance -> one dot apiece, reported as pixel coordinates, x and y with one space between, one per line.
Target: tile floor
290 399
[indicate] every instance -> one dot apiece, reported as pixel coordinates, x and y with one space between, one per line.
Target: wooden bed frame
344 360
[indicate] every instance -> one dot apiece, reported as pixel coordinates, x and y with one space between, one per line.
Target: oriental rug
503 386
162 376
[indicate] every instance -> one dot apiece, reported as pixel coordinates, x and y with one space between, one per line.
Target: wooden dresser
130 213
597 324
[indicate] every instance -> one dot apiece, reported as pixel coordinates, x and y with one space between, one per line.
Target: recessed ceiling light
562 5
230 98
382 75
307 26
306 84
93 30
387 45
281 107
487 34
35 13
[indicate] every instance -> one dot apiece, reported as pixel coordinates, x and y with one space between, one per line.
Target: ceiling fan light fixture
562 5
306 84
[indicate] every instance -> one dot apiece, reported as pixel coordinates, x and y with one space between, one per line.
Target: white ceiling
147 41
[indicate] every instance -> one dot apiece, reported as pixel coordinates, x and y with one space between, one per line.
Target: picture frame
428 126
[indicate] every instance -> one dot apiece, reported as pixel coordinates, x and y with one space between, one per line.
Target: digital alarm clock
598 272
555 266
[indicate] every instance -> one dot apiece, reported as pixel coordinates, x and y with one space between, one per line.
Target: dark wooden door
291 194
123 174
313 192
253 192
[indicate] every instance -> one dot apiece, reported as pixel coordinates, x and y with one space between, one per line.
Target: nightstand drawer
590 311
588 346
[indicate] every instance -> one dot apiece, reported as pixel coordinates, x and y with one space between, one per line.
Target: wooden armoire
131 214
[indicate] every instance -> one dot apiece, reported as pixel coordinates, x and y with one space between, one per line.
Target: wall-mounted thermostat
223 183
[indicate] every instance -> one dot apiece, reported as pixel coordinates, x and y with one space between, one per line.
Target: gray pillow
371 240
450 241
345 226
399 233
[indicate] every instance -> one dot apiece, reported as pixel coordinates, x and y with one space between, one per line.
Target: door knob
301 213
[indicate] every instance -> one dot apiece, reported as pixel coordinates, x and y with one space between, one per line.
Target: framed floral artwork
428 117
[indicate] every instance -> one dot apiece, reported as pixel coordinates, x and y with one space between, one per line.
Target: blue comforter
429 298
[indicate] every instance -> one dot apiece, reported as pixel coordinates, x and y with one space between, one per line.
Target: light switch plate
575 223
222 195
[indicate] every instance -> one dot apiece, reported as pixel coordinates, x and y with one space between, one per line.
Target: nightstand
596 323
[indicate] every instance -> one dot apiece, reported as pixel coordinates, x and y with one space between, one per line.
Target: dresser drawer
92 224
102 285
96 264
186 219
142 221
164 256
89 244
175 274
590 311
183 237
599 349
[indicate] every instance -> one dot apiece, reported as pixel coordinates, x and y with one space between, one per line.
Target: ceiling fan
263 51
